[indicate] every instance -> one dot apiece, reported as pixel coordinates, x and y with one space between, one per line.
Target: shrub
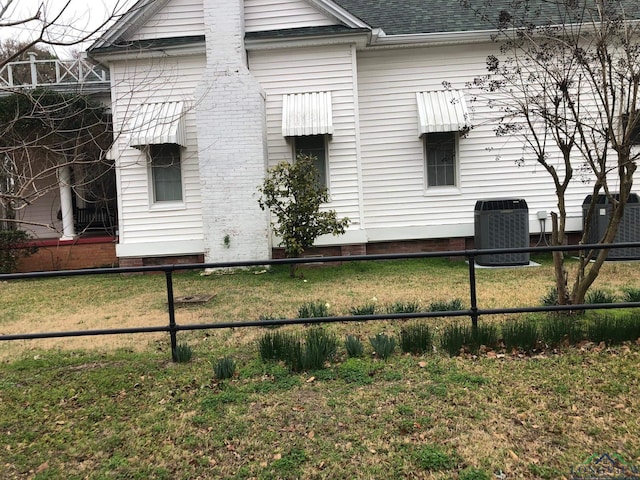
599 296
521 334
353 346
313 310
416 338
308 353
224 368
403 307
366 309
483 335
558 329
12 248
446 306
183 353
383 345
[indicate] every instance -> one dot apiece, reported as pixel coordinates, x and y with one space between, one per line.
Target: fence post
172 315
472 291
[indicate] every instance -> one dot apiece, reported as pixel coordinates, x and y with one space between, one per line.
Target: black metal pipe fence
474 312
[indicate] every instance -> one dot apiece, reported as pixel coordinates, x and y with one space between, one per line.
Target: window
314 146
165 172
440 153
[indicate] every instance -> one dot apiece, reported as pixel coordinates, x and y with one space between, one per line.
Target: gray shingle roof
398 17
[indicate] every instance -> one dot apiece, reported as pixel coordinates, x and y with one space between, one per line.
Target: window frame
442 188
325 146
154 181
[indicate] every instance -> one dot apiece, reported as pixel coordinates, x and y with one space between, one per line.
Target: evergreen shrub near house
12 248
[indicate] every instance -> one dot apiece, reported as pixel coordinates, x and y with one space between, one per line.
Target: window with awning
157 124
442 111
307 114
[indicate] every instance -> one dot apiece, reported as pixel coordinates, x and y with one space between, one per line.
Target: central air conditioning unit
502 223
628 230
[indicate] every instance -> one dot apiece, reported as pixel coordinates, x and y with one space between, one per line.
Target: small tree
292 192
566 83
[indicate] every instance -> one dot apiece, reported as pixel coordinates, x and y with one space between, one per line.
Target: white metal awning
158 123
442 111
306 114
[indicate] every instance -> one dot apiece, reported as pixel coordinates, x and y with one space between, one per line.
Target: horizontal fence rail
474 313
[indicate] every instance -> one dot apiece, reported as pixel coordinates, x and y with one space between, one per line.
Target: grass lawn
117 407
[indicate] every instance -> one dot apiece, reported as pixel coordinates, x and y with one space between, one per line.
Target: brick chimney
230 113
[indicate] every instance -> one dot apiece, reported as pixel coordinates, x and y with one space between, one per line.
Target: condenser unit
502 223
628 230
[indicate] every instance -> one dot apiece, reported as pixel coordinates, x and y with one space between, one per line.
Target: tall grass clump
277 346
558 329
416 338
631 294
366 309
613 330
446 305
354 346
456 337
268 317
599 296
313 310
183 353
383 345
403 307
319 347
520 334
550 298
224 368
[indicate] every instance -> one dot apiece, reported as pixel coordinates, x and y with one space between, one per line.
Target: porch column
66 203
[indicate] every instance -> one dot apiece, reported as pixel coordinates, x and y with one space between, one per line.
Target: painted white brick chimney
230 113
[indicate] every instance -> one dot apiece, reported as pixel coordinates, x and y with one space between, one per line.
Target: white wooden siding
176 19
262 15
312 70
43 211
393 165
145 81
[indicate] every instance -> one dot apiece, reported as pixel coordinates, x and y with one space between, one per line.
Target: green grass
72 410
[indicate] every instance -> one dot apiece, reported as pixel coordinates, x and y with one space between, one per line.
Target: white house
206 94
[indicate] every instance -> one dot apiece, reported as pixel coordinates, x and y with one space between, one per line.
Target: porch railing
35 73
